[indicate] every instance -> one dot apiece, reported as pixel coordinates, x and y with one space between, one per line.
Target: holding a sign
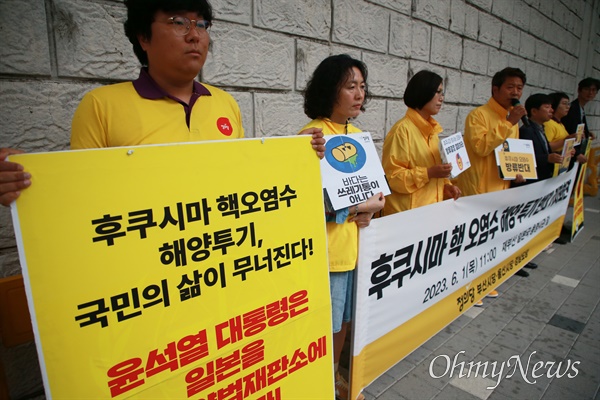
579 134
539 110
351 171
516 157
567 152
146 286
335 93
453 151
411 154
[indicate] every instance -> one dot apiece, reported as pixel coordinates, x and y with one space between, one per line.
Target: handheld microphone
524 119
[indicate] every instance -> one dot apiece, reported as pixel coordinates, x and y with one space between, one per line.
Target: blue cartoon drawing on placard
345 154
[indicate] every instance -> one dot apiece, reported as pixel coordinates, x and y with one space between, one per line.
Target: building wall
263 52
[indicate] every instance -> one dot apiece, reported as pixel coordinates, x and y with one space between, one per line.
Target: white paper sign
453 151
351 171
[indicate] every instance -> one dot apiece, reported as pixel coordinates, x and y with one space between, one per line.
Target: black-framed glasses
181 25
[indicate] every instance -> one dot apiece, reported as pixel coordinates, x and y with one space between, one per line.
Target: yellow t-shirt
342 239
116 115
409 149
555 132
486 128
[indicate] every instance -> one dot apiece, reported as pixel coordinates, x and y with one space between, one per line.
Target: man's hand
519 179
362 219
516 113
581 159
555 158
373 204
317 142
439 171
452 192
12 177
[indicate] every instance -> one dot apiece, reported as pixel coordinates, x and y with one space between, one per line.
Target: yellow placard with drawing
578 192
512 164
180 271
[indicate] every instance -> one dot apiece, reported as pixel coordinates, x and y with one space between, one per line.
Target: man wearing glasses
586 92
165 104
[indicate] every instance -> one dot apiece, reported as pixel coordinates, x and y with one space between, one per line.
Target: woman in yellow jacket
411 157
337 92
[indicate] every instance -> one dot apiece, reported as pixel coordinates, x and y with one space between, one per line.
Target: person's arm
13 178
484 136
558 145
555 158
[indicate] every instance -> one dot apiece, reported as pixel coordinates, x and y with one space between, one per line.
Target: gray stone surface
24 45
360 24
304 18
90 41
237 58
446 48
239 11
433 11
387 75
288 122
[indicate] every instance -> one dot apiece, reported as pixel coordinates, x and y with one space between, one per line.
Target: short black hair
556 98
589 82
501 76
421 88
536 101
140 15
325 83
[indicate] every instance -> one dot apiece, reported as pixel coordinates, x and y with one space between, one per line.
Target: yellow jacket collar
426 127
498 109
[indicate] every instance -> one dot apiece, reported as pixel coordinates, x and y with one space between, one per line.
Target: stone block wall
263 52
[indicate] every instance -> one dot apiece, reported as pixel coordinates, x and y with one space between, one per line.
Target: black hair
556 98
326 82
501 76
140 15
421 88
536 101
589 82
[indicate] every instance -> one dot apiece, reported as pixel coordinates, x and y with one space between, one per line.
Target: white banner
453 252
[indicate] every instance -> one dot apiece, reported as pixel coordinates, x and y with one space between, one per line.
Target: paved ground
551 316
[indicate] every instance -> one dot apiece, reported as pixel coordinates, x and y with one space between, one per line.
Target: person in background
587 89
486 128
336 93
411 156
556 132
554 128
539 111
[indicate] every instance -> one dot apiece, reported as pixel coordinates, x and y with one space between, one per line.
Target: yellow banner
578 193
182 271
